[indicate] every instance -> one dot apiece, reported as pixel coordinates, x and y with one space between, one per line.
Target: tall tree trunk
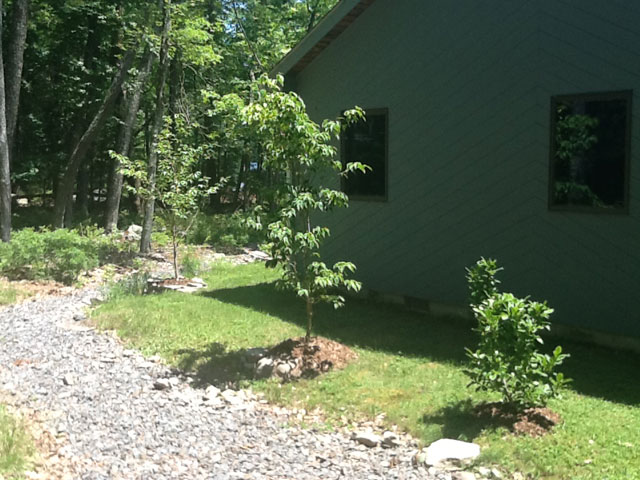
15 62
5 177
149 207
114 189
82 117
67 182
82 198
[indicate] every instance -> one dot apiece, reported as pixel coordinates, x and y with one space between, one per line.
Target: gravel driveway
102 405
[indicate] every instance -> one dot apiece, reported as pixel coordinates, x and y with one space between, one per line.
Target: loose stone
368 439
122 416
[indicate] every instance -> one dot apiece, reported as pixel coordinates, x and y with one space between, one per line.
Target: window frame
627 96
370 198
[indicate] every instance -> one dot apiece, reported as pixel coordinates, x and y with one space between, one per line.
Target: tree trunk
5 177
307 336
114 189
66 184
82 198
15 62
149 206
174 241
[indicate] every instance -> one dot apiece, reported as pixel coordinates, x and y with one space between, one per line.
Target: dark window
366 142
590 149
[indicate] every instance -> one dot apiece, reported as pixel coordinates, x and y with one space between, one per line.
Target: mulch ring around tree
532 422
294 359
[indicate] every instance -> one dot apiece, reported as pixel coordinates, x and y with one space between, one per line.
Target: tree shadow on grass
215 365
374 326
460 421
595 371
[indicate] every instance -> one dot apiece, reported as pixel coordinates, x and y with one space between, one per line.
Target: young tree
296 145
178 187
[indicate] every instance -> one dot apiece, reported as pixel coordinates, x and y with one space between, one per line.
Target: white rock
368 439
264 367
446 449
157 257
283 369
211 392
174 381
484 471
68 380
463 476
231 397
390 439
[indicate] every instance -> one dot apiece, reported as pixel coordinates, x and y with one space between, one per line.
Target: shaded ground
590 367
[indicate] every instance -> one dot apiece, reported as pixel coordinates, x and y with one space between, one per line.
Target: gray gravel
113 423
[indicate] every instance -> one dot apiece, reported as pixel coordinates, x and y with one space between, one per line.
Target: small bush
227 231
160 239
59 255
191 266
507 360
134 284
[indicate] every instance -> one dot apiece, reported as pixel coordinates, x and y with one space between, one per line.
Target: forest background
85 85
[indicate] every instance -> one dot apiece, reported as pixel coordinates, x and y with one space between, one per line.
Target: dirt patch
50 459
533 422
27 289
319 356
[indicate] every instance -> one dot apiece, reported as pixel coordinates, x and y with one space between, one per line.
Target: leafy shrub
56 255
507 360
134 284
191 264
227 231
160 239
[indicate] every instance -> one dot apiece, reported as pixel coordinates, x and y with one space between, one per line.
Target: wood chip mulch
319 356
532 422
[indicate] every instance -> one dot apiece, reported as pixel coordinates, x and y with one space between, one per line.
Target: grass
8 294
15 446
410 368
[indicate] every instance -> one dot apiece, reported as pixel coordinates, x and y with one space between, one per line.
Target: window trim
627 96
370 198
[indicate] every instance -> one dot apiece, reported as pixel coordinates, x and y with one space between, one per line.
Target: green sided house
496 128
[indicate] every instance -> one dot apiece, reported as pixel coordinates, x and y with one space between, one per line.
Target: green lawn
15 446
410 367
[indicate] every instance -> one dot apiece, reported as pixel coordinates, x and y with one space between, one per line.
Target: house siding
468 87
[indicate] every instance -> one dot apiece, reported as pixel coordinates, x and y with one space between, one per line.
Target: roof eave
329 28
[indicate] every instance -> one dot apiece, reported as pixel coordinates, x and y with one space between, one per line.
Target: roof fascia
325 26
